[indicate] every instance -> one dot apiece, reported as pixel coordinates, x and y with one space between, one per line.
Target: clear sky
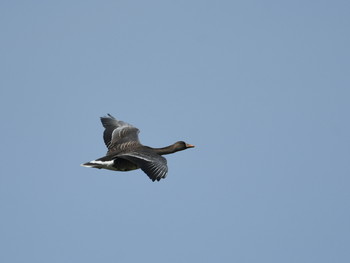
262 88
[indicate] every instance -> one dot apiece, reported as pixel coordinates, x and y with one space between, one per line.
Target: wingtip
158 178
109 115
86 164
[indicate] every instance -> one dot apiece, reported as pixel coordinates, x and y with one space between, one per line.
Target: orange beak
189 145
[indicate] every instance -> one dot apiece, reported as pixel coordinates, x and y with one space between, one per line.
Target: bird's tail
92 165
99 164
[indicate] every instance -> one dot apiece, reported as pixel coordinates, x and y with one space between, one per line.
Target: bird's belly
123 165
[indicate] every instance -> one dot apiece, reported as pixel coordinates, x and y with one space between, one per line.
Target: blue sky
260 87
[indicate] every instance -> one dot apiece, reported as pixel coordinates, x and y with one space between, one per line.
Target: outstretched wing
154 165
118 132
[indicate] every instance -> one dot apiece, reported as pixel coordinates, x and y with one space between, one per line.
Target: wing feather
154 165
118 132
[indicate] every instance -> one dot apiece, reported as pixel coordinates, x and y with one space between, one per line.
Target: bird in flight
126 153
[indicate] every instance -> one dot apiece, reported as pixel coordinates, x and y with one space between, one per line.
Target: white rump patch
104 163
99 164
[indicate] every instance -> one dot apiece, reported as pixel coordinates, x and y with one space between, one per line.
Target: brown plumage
126 153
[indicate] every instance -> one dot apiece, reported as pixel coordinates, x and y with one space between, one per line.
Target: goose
126 153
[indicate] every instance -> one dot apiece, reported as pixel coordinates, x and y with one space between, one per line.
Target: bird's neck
165 150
